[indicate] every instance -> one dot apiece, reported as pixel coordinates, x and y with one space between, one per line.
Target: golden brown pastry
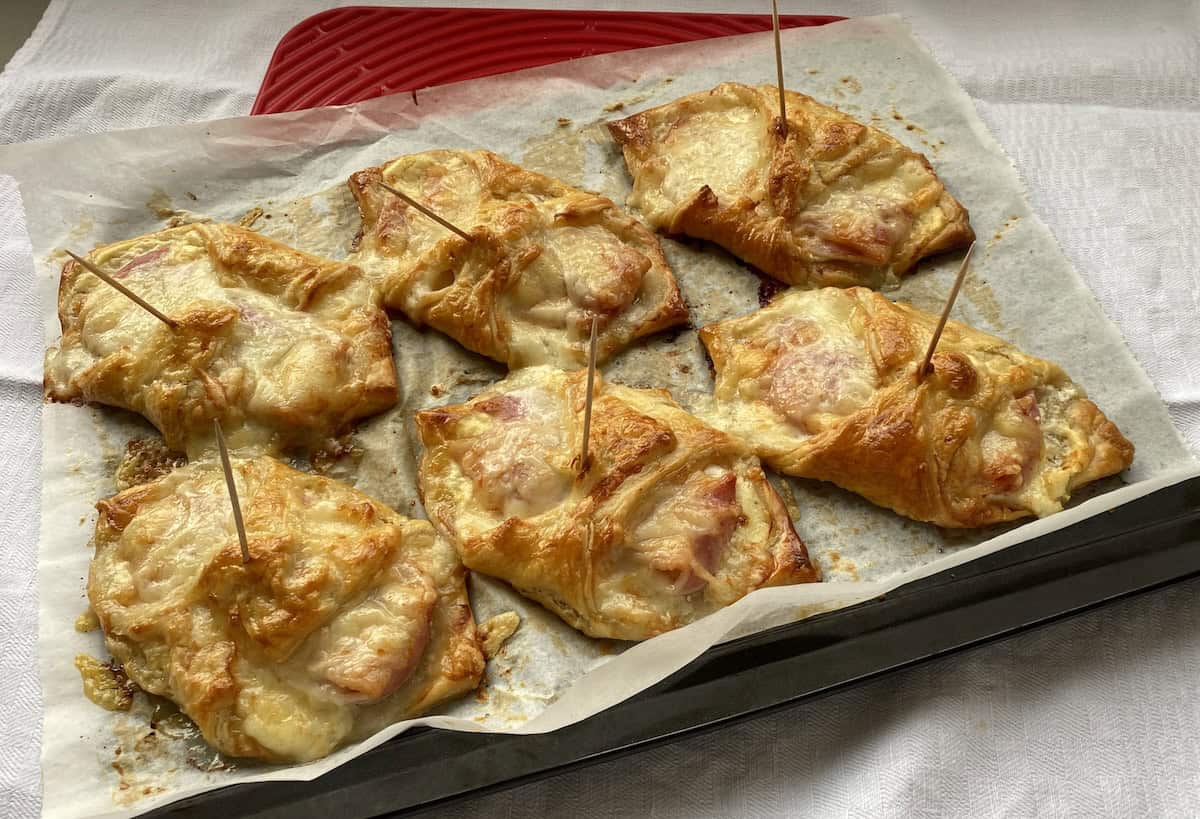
348 617
672 520
286 349
835 202
823 384
544 259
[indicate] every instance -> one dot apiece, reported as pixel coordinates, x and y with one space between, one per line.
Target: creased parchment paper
83 191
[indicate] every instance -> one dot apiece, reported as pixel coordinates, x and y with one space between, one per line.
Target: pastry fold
543 260
834 202
671 520
347 618
822 384
284 348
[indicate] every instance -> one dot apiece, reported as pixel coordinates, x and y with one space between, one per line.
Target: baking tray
1143 545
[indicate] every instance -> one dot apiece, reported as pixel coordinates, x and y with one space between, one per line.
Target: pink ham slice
1011 452
509 464
610 286
702 518
370 650
811 376
140 261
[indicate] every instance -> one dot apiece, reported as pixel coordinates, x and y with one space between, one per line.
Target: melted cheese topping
601 274
544 259
329 624
573 274
686 535
282 347
509 461
813 376
724 148
863 217
809 367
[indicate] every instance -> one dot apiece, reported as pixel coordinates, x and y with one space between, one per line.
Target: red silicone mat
359 52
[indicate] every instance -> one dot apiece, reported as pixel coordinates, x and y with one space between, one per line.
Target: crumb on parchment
250 217
87 622
105 683
146 460
495 631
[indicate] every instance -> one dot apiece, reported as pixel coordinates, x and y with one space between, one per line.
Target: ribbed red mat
359 52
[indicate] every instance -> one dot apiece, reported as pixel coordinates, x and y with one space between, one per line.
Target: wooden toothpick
233 495
124 291
941 325
779 68
418 206
587 402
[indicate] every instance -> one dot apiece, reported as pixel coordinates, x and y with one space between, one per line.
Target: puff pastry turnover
672 520
286 349
544 259
835 202
823 383
349 617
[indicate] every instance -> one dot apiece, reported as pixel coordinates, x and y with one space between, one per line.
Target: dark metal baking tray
1142 545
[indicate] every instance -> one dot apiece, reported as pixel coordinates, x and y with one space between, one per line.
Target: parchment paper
83 191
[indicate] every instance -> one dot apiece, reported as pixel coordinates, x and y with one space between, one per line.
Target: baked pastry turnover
671 521
284 348
834 202
823 384
544 259
348 617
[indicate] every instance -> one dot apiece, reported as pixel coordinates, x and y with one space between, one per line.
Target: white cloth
1099 107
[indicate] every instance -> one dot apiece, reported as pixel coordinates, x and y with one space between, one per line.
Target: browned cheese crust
544 258
671 521
348 618
835 202
284 348
823 384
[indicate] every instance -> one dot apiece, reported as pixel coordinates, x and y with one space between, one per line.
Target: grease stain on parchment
324 223
923 291
983 299
160 204
560 154
637 99
1008 224
932 144
81 229
845 85
149 743
804 612
567 154
928 293
835 566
